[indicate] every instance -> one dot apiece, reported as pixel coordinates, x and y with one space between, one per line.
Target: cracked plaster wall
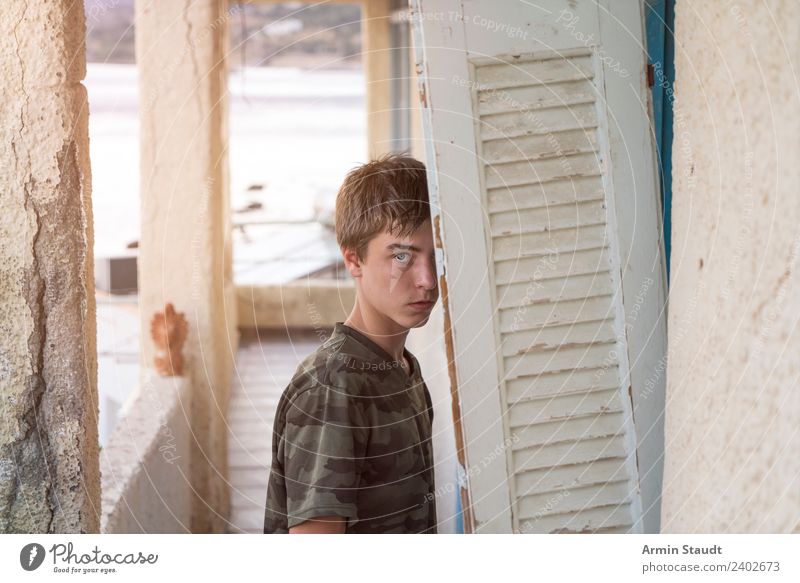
49 474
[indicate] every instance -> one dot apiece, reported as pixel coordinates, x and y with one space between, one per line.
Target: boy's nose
426 277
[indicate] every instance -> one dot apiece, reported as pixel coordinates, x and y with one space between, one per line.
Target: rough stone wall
733 404
49 459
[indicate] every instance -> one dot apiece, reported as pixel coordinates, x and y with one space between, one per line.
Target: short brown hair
390 192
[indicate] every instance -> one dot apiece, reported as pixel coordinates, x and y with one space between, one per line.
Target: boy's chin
408 322
419 321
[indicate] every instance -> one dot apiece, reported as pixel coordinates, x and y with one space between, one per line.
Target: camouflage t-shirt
352 437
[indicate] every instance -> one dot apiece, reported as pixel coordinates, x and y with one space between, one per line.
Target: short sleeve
323 449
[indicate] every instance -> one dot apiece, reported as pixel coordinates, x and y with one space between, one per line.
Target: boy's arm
322 448
320 525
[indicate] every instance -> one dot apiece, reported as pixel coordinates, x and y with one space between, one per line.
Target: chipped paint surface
423 95
461 450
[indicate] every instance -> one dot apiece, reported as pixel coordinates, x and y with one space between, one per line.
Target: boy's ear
351 261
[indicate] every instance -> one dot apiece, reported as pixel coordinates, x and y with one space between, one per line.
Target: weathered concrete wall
307 304
733 404
145 464
185 251
49 464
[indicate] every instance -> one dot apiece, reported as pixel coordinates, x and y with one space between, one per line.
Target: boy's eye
402 257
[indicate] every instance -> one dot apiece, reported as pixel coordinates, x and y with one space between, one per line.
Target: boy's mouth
424 305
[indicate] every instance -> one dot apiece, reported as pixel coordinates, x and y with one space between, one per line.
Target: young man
351 449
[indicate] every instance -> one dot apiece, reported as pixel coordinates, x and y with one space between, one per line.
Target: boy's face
397 279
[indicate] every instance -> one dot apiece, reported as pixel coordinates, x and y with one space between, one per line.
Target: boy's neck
376 328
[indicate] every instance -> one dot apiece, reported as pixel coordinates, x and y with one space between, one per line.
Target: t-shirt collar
378 350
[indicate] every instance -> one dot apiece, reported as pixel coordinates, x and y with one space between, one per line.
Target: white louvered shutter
527 152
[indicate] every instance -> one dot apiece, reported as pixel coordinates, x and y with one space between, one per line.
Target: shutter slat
537 269
532 97
589 355
570 476
560 408
582 521
548 216
555 313
563 452
561 215
542 170
558 336
566 381
539 147
573 287
503 126
570 189
573 499
549 243
586 427
534 72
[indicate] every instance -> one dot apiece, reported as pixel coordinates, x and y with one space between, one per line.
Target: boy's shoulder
339 363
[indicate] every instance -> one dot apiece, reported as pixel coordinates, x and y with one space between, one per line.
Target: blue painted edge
459 512
660 26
